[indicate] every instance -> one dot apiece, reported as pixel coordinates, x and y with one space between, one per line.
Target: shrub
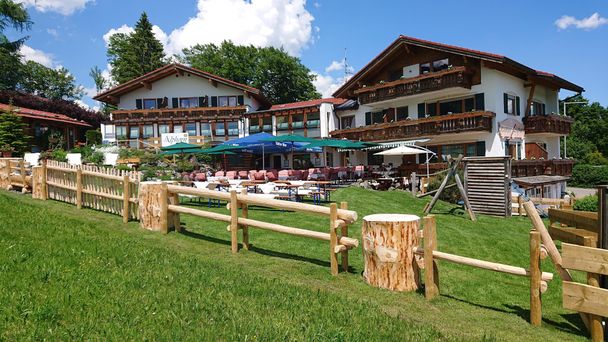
93 137
589 176
184 166
587 203
450 194
95 158
59 155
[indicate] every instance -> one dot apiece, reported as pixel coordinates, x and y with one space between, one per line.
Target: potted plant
7 150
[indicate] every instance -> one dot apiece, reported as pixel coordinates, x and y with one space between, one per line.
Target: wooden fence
110 190
588 298
577 227
538 279
338 219
553 203
15 172
487 181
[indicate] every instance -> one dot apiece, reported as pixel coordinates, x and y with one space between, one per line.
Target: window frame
352 121
143 104
431 65
510 98
191 101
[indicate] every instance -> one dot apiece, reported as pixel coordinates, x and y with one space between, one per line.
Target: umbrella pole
427 166
263 158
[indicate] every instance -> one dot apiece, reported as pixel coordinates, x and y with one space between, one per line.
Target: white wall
183 86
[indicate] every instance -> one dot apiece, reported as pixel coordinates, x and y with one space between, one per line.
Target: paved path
582 192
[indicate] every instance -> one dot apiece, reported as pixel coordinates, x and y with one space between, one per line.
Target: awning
401 151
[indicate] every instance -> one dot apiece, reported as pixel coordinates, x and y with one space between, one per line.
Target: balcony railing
453 77
406 129
548 124
538 167
177 114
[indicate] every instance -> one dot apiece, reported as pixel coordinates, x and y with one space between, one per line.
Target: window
282 123
402 113
469 104
313 120
537 108
374 118
188 102
395 75
227 101
220 128
134 132
450 107
178 129
233 128
373 159
121 132
431 109
148 131
149 103
205 129
347 122
267 124
297 121
254 125
434 66
511 104
191 128
163 128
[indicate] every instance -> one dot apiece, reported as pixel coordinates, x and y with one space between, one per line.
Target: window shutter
481 148
213 101
138 104
517 109
368 118
505 101
480 102
240 100
159 102
174 102
201 101
421 110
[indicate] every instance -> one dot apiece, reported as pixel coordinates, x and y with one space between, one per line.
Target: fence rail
15 172
110 190
339 219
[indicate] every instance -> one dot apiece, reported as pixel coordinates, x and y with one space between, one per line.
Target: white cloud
31 54
82 104
65 7
53 32
590 23
338 66
278 23
123 29
326 85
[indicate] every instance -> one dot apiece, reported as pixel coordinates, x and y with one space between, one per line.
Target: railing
15 172
405 129
338 218
109 190
454 77
179 114
557 124
554 167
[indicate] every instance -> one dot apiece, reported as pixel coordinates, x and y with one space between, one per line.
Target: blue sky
71 32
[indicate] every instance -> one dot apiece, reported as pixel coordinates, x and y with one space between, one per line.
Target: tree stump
150 208
388 240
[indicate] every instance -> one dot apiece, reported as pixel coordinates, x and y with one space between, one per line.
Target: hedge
589 176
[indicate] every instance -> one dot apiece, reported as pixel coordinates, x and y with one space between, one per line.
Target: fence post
245 214
8 175
44 187
344 232
164 225
177 225
126 197
79 188
595 322
431 272
535 279
520 206
234 221
23 178
414 183
333 238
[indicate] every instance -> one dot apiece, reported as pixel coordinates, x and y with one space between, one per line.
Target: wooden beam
588 259
407 49
585 298
530 97
147 85
213 82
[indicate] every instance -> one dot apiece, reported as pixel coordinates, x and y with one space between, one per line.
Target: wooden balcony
407 129
538 167
177 114
556 124
454 77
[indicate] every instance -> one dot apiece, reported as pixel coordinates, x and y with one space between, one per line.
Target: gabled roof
301 105
42 115
111 95
490 57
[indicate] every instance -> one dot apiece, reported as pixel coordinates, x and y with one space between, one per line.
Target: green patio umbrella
290 138
223 150
177 148
339 144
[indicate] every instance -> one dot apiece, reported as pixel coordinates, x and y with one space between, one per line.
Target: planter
134 160
7 154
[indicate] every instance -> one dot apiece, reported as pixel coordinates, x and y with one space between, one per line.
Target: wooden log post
431 272
79 188
463 193
388 242
37 182
244 227
595 322
234 226
344 233
333 238
535 279
414 182
126 197
43 186
153 207
520 206
8 174
173 216
23 176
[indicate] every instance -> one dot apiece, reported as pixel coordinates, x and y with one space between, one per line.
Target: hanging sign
168 139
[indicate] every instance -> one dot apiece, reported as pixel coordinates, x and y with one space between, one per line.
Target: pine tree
12 134
132 55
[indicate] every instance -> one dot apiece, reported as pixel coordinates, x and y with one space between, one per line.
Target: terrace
406 129
454 77
177 114
557 124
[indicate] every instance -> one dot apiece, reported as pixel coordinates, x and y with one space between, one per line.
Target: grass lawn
80 274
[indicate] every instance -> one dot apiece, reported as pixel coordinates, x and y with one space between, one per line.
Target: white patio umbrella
407 151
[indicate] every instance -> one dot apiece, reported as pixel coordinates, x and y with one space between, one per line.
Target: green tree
588 141
101 83
49 83
132 55
15 16
12 131
282 78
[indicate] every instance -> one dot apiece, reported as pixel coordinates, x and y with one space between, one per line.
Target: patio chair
219 174
243 174
271 176
360 171
231 174
200 177
259 176
303 175
283 175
